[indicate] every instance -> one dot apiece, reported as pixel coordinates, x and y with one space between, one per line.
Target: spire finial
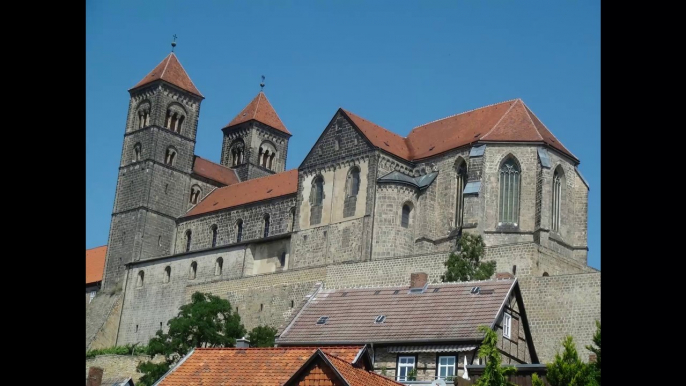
262 84
174 43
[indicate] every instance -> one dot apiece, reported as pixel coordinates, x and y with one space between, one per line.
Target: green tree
494 374
536 381
596 350
568 369
207 321
262 336
466 265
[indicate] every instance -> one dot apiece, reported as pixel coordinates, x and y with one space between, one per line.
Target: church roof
255 190
95 264
170 70
262 111
214 172
510 121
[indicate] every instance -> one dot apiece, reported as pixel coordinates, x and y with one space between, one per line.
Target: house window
446 367
239 231
214 236
92 295
558 181
218 266
405 220
170 156
461 183
188 240
507 319
266 226
406 366
509 193
193 271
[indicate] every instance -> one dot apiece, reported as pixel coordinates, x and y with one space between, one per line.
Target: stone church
365 207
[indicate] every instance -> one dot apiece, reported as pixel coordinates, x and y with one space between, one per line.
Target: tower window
509 192
239 231
265 155
461 179
282 259
405 219
137 152
141 276
237 152
195 194
188 240
214 235
558 183
193 271
218 266
173 121
292 215
167 274
266 225
170 156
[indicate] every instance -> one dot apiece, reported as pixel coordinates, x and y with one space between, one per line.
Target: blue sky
397 63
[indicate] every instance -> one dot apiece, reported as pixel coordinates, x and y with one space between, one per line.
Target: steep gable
170 70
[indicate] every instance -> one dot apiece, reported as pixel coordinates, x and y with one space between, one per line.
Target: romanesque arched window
170 156
167 274
194 270
266 226
175 118
218 266
266 154
239 231
143 115
213 229
139 281
508 202
352 182
137 152
196 192
461 182
558 186
405 217
237 152
188 240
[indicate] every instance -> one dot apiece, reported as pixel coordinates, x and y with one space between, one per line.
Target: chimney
418 280
94 376
504 275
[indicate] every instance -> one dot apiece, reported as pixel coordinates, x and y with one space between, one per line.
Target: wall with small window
428 365
511 336
395 220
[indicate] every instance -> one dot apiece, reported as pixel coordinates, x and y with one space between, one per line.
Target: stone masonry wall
115 366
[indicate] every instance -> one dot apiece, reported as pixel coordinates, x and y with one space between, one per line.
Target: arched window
558 184
170 156
291 226
218 266
461 179
336 144
237 152
317 192
266 226
194 270
167 274
545 274
282 259
188 240
508 212
405 219
141 276
239 231
174 119
352 182
137 152
143 115
266 154
213 228
196 192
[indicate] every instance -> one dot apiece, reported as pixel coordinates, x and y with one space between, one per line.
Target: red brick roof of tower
510 121
247 366
170 70
213 171
258 189
262 111
95 264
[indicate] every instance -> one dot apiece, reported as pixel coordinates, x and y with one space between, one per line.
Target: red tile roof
213 171
247 366
262 111
95 264
170 70
258 189
452 313
356 376
510 121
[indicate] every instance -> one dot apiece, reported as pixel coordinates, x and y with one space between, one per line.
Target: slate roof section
214 172
247 366
255 190
95 264
170 70
452 313
262 111
419 182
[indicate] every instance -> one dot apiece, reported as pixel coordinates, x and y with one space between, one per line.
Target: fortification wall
115 366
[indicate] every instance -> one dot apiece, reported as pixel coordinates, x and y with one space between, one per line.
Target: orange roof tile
255 190
247 366
380 137
213 171
262 111
95 264
170 70
356 376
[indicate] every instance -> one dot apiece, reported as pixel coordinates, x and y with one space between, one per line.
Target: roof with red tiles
170 70
95 264
355 376
510 121
214 172
262 111
247 366
443 312
255 190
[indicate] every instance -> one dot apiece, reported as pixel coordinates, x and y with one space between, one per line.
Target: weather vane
262 84
174 43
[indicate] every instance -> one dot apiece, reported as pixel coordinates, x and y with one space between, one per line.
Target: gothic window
214 235
195 194
194 270
167 274
291 227
170 156
510 176
239 231
137 152
317 192
141 276
266 225
218 266
265 155
352 183
461 178
405 219
558 183
188 240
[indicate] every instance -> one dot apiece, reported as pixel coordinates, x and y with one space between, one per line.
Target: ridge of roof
499 120
306 347
528 110
528 115
179 79
362 286
464 112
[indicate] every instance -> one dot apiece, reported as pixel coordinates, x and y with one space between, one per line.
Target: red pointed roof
95 264
170 70
380 137
262 111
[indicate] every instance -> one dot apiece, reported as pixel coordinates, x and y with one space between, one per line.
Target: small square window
506 325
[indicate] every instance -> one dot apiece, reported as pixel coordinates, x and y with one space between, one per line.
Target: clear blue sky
397 63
